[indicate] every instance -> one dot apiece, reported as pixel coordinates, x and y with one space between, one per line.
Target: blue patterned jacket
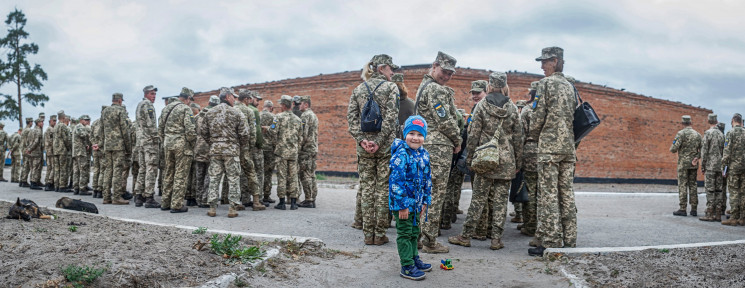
410 182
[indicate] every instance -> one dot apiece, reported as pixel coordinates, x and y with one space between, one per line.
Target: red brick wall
632 142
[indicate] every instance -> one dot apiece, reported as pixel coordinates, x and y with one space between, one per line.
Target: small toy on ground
446 264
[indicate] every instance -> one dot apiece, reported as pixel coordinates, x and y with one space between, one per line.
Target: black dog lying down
26 209
76 204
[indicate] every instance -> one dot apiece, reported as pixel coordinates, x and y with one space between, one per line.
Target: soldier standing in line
25 168
75 175
552 128
287 130
687 144
201 157
308 152
455 181
226 132
115 133
435 103
81 148
148 140
711 165
296 106
3 145
530 169
723 204
98 156
257 152
34 153
135 169
177 130
267 118
49 148
14 144
128 157
249 182
733 166
61 138
190 196
374 144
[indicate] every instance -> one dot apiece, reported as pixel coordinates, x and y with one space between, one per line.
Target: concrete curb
354 186
601 250
225 280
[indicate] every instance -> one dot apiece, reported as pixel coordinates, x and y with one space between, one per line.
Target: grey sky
687 51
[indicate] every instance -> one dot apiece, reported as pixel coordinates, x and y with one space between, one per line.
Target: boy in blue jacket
409 194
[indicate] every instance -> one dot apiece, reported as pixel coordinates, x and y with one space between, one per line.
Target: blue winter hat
417 123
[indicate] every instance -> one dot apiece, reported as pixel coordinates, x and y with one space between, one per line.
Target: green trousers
406 240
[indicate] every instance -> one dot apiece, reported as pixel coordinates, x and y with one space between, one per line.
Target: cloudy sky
687 51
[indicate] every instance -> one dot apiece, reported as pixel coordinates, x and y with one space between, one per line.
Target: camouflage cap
149 88
446 61
61 114
256 95
42 115
224 91
244 93
534 85
570 79
478 86
186 93
29 119
686 119
195 106
305 99
214 100
268 103
117 96
286 100
551 52
296 99
713 118
85 117
397 77
74 120
53 117
38 120
498 79
383 59
170 100
520 103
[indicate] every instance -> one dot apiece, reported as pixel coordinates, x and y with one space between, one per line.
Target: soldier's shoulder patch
440 110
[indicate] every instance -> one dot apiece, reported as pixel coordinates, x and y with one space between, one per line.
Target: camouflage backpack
486 156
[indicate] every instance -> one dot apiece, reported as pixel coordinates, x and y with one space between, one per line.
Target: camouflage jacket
711 150
266 120
310 133
82 141
435 104
257 125
177 130
35 140
114 129
248 114
137 144
553 117
496 114
287 129
49 141
3 141
530 148
96 138
225 130
387 98
687 144
24 135
147 129
201 148
734 147
62 139
14 144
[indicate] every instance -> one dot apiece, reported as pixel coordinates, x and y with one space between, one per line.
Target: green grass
200 230
73 228
321 177
230 249
81 275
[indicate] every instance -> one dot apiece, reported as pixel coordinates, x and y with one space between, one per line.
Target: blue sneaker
410 272
421 266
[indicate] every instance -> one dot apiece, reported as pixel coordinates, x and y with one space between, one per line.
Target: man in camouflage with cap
712 147
308 152
226 131
249 183
435 102
25 168
687 144
267 118
723 204
3 145
296 106
71 160
178 132
455 180
287 132
530 168
33 153
257 152
62 143
733 166
81 152
201 157
98 156
552 128
14 144
148 141
49 148
116 141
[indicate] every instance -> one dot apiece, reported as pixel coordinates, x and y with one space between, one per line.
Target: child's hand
403 214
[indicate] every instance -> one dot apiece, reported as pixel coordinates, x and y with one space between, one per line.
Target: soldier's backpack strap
169 112
372 93
416 106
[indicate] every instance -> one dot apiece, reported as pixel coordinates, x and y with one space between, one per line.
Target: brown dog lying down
26 209
76 204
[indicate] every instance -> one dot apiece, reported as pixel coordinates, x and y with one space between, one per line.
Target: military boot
232 213
84 192
708 216
459 240
681 212
293 203
730 222
380 240
191 202
240 207
119 201
151 203
717 216
304 204
369 240
33 186
281 204
75 191
496 244
139 200
436 248
23 184
741 222
213 211
268 199
357 225
257 204
49 187
693 211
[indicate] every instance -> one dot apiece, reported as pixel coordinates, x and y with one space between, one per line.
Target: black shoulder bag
585 118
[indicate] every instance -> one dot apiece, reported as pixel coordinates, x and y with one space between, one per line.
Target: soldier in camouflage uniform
116 141
177 130
14 144
257 152
687 144
733 166
128 157
148 141
33 153
3 145
98 156
296 106
62 143
135 157
287 131
455 181
711 165
49 148
249 182
496 116
374 147
81 149
552 127
723 204
308 152
530 169
267 118
201 157
435 102
191 199
25 168
226 131
73 162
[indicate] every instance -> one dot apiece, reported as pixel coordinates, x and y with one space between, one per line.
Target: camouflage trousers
557 213
35 173
84 174
452 196
200 182
125 172
736 188
135 171
25 168
97 171
269 164
307 170
249 180
374 174
49 178
483 189
148 160
258 158
71 169
60 171
713 185
484 227
177 168
15 167
723 204
687 188
530 208
358 207
190 187
286 177
76 172
440 158
112 175
230 167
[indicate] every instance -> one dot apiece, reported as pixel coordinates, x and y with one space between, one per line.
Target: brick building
630 145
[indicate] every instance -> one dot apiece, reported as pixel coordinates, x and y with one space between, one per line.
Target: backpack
371 120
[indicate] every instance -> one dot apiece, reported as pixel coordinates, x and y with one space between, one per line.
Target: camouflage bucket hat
149 88
305 99
244 93
85 117
29 119
38 120
446 61
384 59
53 117
117 96
551 52
498 79
42 115
397 77
534 85
214 101
268 103
186 93
478 86
713 117
686 119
